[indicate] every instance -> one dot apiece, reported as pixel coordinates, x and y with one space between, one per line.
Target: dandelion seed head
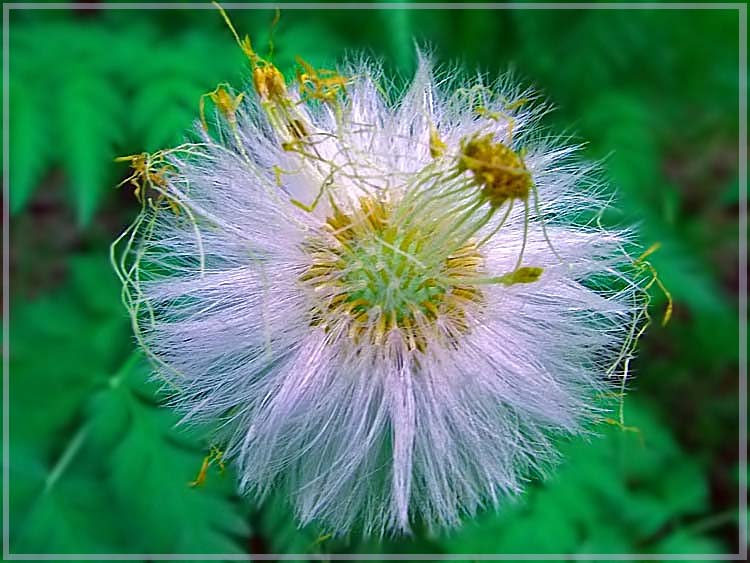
389 305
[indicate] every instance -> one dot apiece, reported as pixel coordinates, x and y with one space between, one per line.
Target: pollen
372 277
498 169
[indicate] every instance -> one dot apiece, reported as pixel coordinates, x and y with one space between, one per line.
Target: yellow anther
644 264
277 172
267 79
297 128
357 305
619 424
493 115
497 168
322 538
244 43
437 146
430 308
269 82
214 455
380 329
320 84
648 252
465 293
525 274
149 171
516 104
225 102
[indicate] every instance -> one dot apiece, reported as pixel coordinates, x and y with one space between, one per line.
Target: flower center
375 274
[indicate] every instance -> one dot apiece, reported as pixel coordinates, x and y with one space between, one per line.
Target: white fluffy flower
389 307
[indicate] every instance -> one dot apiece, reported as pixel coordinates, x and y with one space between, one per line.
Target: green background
96 465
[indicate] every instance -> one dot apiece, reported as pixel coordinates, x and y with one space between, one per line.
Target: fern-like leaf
149 466
89 125
609 497
30 148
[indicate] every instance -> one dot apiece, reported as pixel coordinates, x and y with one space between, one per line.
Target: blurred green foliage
99 467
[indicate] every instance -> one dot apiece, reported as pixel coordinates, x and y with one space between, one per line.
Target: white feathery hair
428 419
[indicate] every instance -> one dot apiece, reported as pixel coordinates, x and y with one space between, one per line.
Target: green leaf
122 481
89 115
682 542
277 525
82 332
149 466
78 97
67 516
609 496
29 149
165 109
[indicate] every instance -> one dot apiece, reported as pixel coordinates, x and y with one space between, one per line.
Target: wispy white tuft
243 292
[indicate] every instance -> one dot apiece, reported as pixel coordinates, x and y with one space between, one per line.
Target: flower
389 306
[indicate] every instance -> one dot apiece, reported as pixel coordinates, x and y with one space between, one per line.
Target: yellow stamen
225 102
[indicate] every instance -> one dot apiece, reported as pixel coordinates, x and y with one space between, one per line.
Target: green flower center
379 275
